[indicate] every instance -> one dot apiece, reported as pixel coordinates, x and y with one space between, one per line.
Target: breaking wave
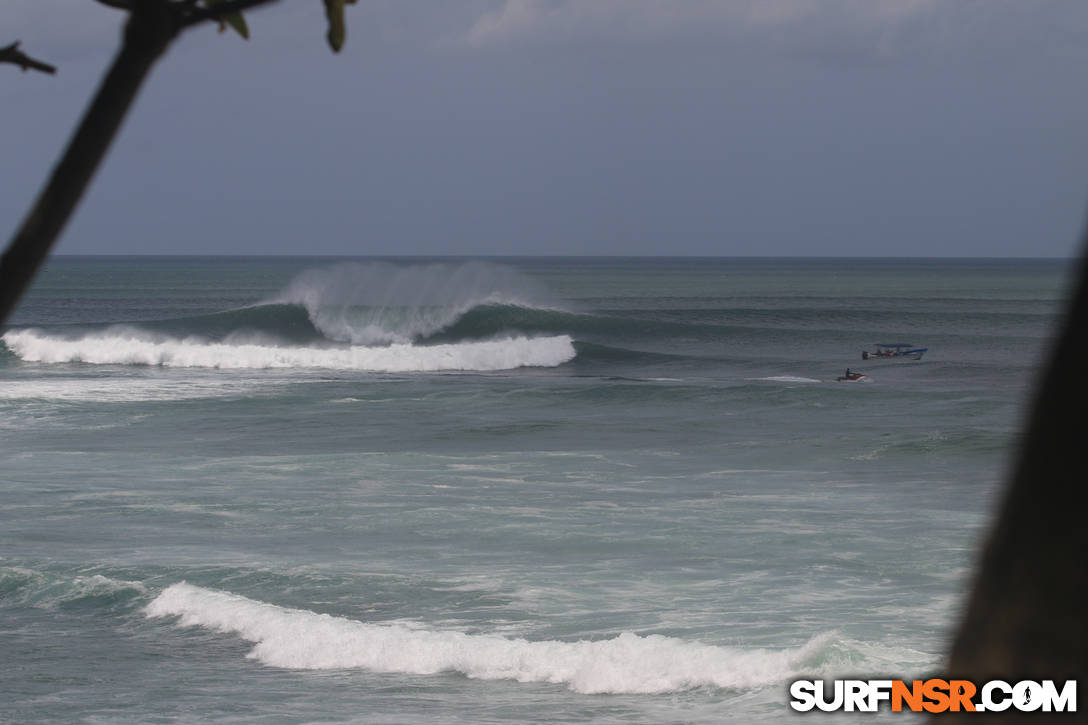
372 317
378 303
629 663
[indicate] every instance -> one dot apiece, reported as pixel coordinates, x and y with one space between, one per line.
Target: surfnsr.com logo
933 695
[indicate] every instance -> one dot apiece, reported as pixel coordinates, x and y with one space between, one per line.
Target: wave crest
629 663
379 303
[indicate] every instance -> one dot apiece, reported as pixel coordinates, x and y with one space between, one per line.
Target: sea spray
349 316
377 303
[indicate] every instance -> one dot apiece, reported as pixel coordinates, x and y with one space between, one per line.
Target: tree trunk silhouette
1026 616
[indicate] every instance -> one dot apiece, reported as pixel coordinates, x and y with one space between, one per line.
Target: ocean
584 490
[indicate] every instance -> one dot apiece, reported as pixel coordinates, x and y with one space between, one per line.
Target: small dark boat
895 349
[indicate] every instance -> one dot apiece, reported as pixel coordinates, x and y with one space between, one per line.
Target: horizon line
556 256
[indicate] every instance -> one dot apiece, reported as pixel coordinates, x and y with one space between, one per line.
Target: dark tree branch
12 54
119 4
191 14
151 27
219 11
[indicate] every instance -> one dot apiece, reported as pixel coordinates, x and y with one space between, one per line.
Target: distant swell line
118 348
628 663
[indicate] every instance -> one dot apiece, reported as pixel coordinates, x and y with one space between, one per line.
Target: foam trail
300 639
117 347
120 390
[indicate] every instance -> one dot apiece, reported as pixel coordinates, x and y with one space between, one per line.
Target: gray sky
705 127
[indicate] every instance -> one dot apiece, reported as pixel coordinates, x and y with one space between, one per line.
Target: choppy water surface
287 490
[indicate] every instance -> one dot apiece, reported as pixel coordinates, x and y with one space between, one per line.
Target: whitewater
121 347
293 490
628 663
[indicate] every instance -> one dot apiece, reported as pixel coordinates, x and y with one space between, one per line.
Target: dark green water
297 490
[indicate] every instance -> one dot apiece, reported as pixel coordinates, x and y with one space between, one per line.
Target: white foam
123 347
126 389
98 585
788 379
300 639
